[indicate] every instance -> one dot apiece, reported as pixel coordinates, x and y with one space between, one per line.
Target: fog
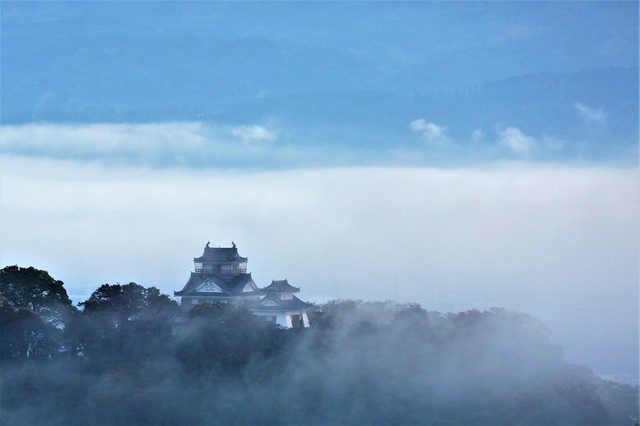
360 363
557 242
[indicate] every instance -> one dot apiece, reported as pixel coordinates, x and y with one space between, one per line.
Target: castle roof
281 286
211 284
271 302
220 255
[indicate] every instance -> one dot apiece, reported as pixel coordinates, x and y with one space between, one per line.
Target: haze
461 156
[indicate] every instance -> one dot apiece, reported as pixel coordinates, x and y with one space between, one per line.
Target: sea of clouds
557 241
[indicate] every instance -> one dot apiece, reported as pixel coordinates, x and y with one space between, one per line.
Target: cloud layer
154 144
266 146
559 243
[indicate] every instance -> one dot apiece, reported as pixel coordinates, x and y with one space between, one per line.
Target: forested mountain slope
124 359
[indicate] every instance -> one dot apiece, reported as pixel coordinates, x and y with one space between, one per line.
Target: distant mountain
341 74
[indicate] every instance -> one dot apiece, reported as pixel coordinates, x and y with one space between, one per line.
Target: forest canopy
128 355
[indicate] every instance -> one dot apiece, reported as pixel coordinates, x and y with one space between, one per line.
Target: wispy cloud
517 142
254 133
259 146
101 139
156 144
477 135
431 132
591 115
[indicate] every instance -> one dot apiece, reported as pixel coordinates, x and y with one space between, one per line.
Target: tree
128 302
122 321
35 289
222 339
23 334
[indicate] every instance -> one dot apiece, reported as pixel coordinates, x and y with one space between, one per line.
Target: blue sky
456 154
345 80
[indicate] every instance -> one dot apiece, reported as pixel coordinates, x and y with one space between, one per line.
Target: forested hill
123 359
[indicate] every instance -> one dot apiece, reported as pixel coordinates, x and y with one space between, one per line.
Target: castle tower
220 275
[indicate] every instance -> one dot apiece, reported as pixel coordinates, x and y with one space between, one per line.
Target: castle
220 275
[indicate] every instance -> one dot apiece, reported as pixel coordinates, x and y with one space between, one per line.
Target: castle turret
224 262
220 275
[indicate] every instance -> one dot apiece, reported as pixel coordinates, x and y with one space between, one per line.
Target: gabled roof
281 286
271 302
220 255
238 285
228 287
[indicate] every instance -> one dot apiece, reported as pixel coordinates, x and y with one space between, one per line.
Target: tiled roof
204 294
220 255
281 286
272 302
232 287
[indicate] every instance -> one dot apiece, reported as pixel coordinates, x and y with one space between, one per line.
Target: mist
452 185
359 363
557 242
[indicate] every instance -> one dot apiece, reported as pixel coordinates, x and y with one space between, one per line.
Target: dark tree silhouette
24 335
222 338
121 303
122 322
131 357
36 290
